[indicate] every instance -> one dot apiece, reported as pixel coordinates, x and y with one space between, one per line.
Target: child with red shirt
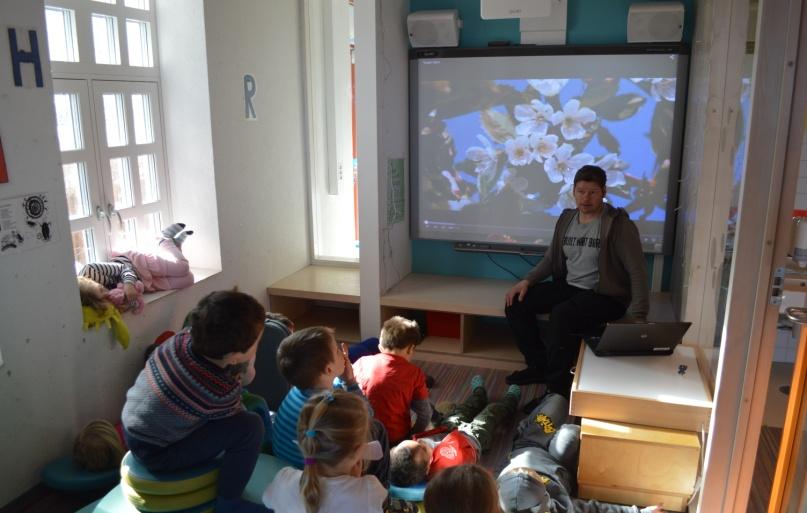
472 423
393 384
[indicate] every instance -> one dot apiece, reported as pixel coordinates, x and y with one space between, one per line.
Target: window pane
127 237
152 227
137 4
111 2
138 38
121 183
75 185
143 123
105 39
68 121
149 192
61 24
115 120
83 248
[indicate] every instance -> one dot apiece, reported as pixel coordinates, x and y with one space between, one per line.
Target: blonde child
463 489
310 360
332 433
393 385
98 447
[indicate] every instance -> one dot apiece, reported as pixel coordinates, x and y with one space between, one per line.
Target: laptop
632 339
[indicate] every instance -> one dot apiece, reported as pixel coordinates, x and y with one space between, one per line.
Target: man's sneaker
525 377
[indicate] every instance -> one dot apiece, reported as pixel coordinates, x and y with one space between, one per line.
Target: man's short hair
226 321
405 467
594 174
399 333
303 355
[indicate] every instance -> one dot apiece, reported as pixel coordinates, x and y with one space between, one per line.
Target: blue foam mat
412 493
63 474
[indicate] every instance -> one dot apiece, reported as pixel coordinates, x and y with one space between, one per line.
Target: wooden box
647 390
637 465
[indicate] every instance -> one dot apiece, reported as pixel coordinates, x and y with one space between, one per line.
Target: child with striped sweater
185 406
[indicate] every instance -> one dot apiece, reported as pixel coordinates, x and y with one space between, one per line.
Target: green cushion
137 477
166 503
63 474
115 502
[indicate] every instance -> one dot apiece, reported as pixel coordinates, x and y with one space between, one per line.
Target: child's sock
179 239
514 390
169 232
238 506
477 382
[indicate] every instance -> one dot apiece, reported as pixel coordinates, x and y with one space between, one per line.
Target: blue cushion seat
63 474
412 493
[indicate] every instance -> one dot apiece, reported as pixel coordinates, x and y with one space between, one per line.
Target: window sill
199 275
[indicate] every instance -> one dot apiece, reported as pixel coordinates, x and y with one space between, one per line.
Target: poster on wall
3 169
25 223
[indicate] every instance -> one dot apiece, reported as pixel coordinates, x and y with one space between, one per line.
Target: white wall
57 377
382 117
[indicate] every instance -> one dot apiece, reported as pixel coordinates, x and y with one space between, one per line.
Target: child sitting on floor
310 360
130 273
98 447
332 433
392 384
472 423
185 406
468 488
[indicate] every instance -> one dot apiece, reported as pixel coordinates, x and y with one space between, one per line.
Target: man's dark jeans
571 310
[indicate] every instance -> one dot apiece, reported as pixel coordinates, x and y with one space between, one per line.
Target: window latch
100 214
110 211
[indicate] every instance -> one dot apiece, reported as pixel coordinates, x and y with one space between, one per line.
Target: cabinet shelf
484 338
320 295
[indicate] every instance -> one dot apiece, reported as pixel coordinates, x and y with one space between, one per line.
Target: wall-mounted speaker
655 22
434 28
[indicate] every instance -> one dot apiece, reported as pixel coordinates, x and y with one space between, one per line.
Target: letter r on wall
250 88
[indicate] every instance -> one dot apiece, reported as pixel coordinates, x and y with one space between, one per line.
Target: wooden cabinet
320 295
483 336
633 464
661 391
642 416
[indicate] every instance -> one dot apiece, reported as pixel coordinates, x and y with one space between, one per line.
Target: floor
770 437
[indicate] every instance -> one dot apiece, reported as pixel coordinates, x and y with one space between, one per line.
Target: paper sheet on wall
25 223
395 191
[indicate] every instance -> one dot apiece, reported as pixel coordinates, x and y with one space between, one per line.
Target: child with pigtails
333 435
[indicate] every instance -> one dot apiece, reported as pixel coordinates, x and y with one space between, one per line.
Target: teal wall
588 22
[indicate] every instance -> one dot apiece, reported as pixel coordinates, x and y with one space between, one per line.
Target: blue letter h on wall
19 57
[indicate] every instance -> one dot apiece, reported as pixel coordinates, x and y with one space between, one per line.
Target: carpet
452 385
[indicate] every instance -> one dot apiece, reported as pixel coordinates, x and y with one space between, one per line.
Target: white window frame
327 30
90 81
